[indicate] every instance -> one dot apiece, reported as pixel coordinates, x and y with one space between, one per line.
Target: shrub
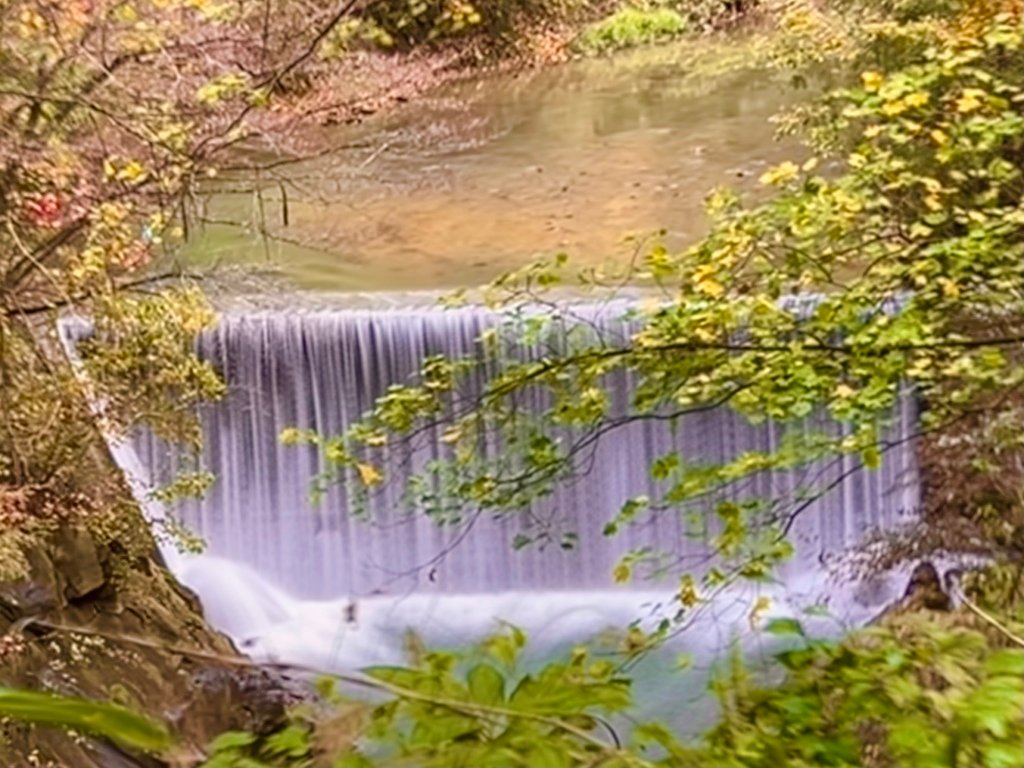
629 27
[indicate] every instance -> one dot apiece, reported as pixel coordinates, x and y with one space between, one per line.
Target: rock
249 698
924 592
925 589
78 562
35 595
199 696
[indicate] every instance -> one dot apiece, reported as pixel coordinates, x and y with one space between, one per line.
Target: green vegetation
406 24
107 720
631 26
411 22
111 115
920 692
470 709
913 253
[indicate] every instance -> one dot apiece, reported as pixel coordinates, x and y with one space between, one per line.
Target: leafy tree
918 692
474 708
112 115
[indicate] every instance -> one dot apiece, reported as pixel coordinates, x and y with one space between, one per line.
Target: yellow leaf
872 81
939 137
970 101
369 474
621 573
132 171
711 287
920 366
844 391
893 108
918 99
451 435
32 23
688 594
760 607
126 13
920 231
112 214
780 174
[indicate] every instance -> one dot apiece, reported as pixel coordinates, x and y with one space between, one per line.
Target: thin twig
985 616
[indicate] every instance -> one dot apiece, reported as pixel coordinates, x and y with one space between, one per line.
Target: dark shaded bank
134 619
383 56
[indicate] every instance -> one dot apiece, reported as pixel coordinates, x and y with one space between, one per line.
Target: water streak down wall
322 370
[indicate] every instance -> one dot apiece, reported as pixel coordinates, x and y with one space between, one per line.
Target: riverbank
92 615
362 75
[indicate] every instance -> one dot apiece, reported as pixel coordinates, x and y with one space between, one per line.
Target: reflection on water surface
473 181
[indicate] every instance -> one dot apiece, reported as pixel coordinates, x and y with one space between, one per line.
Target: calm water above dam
487 174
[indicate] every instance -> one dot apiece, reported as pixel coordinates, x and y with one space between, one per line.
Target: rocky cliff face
134 623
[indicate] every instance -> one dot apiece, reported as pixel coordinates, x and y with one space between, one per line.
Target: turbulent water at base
322 370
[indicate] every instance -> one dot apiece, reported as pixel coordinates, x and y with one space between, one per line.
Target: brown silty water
488 174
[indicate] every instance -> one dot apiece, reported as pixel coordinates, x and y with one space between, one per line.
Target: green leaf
1008 662
547 756
439 729
872 457
664 466
107 720
782 626
1002 756
486 684
232 740
293 741
505 648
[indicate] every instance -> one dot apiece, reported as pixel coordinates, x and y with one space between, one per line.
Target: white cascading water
311 585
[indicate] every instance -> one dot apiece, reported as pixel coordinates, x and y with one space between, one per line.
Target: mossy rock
131 652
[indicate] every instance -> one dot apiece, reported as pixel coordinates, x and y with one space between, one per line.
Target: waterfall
305 584
322 370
